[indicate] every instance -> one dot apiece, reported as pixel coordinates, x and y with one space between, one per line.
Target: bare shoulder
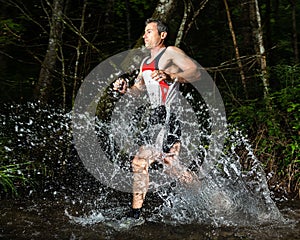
172 50
176 54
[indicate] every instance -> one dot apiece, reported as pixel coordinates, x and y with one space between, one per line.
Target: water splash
91 219
233 190
230 190
233 193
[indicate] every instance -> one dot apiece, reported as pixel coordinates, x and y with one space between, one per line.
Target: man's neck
154 51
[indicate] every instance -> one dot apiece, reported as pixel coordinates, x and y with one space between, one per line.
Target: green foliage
137 5
12 175
275 131
34 147
10 31
288 76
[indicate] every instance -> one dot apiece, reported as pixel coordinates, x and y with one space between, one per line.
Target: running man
160 75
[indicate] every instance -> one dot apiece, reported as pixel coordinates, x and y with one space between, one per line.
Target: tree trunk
187 11
196 13
259 46
268 30
78 53
236 48
295 39
43 87
163 11
128 23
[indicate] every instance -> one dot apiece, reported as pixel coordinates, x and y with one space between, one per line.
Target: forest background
47 48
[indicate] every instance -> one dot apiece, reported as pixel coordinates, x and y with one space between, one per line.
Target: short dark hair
161 26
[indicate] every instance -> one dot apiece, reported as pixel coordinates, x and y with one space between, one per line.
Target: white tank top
160 93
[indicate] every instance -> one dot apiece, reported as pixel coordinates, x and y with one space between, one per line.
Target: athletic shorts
148 122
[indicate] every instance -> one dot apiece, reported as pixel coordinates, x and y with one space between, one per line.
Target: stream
46 219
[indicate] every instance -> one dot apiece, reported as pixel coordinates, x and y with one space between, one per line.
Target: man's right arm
138 86
120 85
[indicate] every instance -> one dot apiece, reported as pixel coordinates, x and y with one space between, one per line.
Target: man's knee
145 156
146 152
175 148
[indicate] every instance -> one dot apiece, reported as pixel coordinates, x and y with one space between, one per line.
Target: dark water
44 219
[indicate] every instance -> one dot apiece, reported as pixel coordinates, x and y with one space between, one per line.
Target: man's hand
120 85
160 75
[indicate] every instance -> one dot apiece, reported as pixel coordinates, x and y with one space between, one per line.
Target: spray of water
232 191
229 186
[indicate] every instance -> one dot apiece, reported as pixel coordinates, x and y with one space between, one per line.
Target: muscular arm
121 86
181 67
139 85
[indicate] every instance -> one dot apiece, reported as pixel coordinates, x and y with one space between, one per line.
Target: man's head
155 33
161 26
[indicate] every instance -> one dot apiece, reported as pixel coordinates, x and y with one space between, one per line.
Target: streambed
47 219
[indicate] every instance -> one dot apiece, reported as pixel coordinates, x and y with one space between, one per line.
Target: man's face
151 36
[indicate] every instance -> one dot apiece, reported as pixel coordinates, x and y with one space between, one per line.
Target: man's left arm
189 70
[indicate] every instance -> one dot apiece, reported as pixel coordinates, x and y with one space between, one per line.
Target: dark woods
48 47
